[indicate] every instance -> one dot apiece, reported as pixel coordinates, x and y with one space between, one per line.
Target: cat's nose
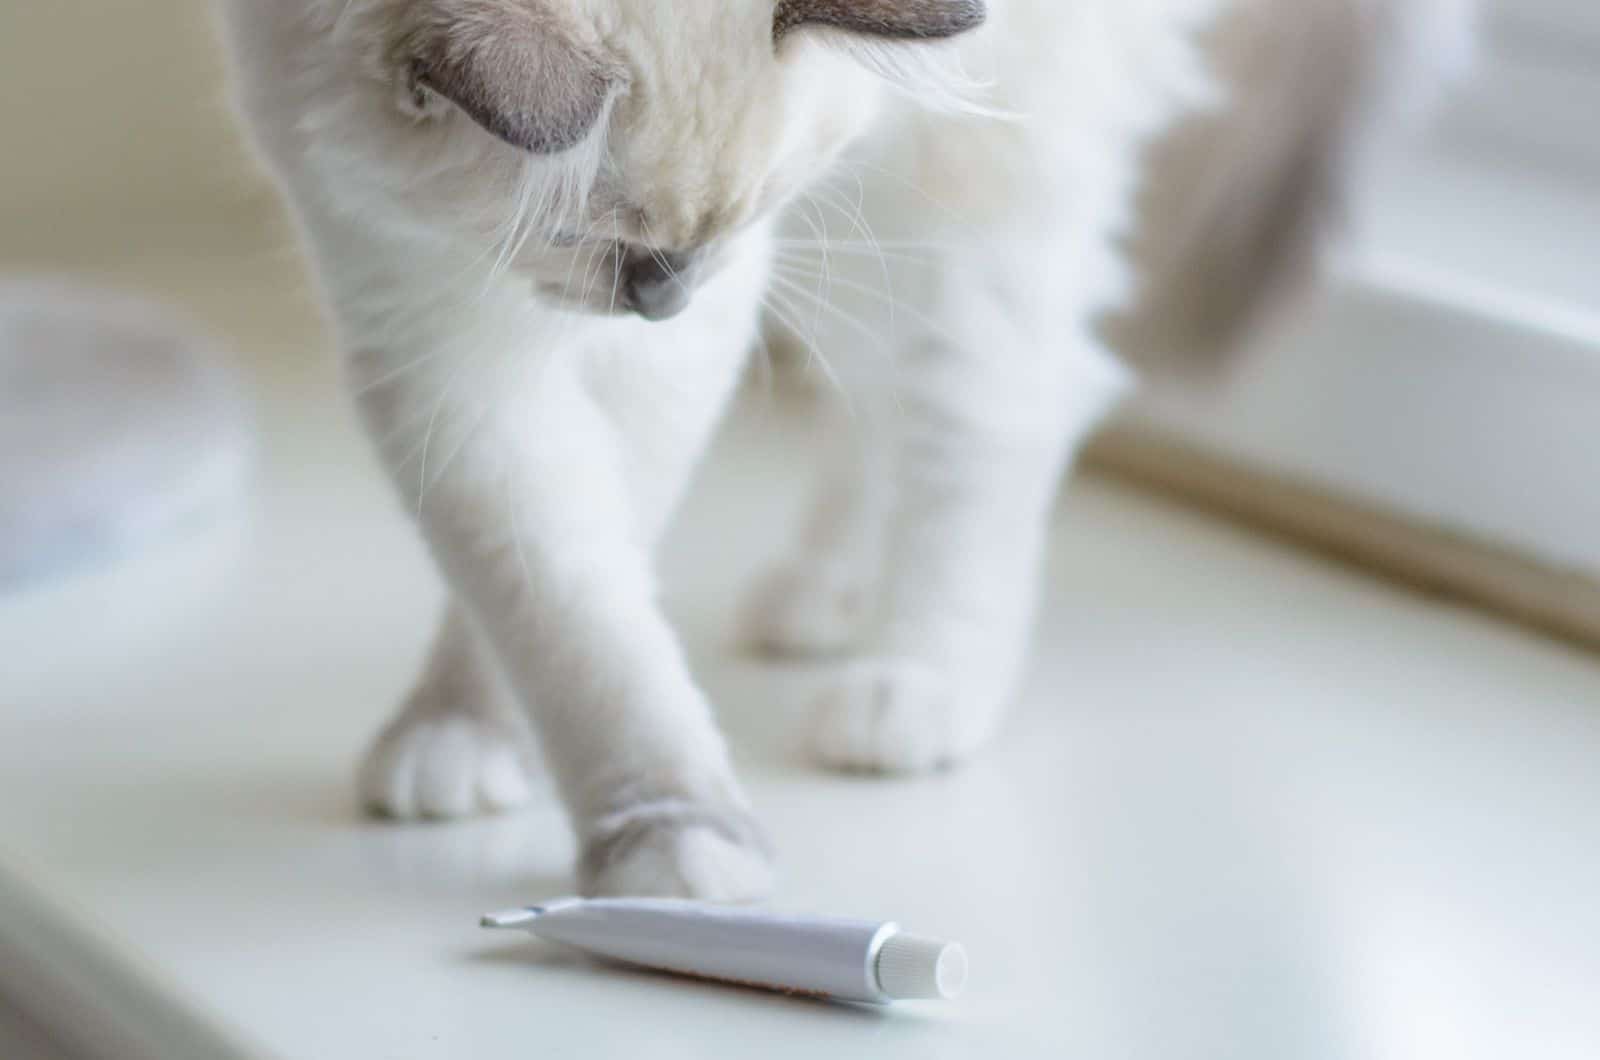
658 285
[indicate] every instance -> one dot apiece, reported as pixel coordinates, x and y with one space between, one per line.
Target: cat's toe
805 610
892 716
447 767
679 852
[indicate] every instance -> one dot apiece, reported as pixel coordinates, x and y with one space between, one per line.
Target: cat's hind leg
818 600
988 411
460 744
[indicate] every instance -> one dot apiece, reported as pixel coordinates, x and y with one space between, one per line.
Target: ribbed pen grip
911 967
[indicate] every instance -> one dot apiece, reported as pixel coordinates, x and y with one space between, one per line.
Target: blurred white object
117 423
826 957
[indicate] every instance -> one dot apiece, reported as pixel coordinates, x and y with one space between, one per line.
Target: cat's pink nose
657 285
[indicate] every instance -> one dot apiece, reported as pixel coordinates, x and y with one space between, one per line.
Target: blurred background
1463 326
1403 864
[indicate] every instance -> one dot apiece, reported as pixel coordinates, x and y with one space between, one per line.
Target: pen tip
511 918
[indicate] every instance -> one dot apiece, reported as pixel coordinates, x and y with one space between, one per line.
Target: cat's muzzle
658 285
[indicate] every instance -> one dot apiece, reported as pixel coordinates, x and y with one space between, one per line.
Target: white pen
845 960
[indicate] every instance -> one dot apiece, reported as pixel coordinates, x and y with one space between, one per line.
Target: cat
548 233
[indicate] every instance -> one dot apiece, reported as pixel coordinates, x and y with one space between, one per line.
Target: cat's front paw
805 610
447 766
896 716
675 850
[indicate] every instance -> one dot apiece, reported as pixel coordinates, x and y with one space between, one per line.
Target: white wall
110 108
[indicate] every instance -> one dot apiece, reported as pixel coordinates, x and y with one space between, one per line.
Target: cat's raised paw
678 851
805 610
891 716
447 767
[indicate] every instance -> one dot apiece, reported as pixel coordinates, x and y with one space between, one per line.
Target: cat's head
629 139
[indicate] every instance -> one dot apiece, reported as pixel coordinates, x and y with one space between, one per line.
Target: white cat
545 229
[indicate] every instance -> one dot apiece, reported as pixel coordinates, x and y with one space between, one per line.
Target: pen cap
911 967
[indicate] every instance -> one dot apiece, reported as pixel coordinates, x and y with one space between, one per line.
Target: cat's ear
512 66
891 19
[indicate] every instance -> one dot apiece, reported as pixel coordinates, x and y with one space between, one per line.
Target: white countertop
1250 806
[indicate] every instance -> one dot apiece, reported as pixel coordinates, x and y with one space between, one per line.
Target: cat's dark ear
513 67
892 19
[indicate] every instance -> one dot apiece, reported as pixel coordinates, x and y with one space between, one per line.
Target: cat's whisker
395 375
433 421
342 19
861 244
467 437
520 225
808 260
590 272
660 259
884 252
473 364
784 311
903 181
933 325
815 354
821 305
566 287
767 367
616 258
516 531
483 364
859 222
822 242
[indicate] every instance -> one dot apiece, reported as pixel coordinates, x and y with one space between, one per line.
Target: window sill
1448 381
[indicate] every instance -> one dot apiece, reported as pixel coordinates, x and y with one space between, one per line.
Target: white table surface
1251 805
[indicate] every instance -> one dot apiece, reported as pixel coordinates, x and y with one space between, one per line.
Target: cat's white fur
542 441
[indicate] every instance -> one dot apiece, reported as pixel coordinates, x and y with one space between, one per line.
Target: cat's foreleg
542 521
818 600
